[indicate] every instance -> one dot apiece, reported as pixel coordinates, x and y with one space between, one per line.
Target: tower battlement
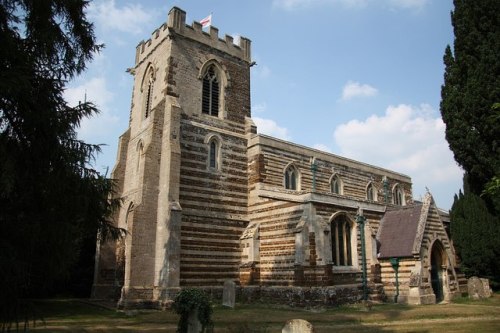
176 25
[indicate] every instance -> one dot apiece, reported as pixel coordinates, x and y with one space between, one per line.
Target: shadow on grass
77 316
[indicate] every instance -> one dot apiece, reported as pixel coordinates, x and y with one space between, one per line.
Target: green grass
461 316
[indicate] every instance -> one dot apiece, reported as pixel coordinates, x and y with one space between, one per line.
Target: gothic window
211 92
147 91
291 178
213 153
336 185
341 230
398 196
140 155
371 193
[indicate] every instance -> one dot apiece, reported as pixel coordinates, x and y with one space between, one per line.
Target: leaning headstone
298 326
194 325
478 288
228 294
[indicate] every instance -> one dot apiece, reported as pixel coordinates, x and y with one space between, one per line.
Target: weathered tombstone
194 325
228 294
298 326
478 288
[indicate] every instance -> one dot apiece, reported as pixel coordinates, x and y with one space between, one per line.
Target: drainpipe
314 168
395 266
386 189
360 219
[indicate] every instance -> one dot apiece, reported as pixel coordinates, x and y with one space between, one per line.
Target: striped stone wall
277 221
214 205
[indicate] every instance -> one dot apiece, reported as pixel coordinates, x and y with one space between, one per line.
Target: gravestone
478 288
194 325
298 326
228 294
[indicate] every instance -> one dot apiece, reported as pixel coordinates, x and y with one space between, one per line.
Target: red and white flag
207 21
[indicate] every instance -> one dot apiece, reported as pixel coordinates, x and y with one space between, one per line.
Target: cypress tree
474 232
471 89
469 108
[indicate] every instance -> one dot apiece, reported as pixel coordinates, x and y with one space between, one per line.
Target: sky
356 78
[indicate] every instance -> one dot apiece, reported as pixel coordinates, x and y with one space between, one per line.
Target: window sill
345 269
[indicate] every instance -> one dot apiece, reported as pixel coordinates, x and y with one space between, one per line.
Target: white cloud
269 127
322 147
300 4
296 4
405 139
408 4
356 89
236 38
129 18
259 108
263 72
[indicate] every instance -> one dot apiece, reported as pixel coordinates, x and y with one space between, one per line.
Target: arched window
213 146
336 185
140 155
211 92
341 230
398 197
371 193
213 155
291 178
147 91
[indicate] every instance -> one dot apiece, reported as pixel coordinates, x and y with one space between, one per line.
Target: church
206 198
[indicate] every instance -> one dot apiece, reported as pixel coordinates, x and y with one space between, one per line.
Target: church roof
398 231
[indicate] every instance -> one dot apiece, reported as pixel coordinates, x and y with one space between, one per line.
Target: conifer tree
470 111
475 231
51 199
471 89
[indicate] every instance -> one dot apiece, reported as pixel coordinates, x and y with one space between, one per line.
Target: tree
471 89
51 199
472 228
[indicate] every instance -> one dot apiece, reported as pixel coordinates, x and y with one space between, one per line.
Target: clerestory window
291 178
211 92
371 193
398 196
336 185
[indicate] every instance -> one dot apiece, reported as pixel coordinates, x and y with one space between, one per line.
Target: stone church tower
184 154
206 199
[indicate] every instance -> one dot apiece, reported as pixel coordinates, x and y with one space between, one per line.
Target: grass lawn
460 316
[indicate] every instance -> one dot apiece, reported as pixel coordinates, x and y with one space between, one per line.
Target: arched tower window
147 91
336 184
211 92
398 197
213 155
213 143
140 155
341 231
371 192
291 178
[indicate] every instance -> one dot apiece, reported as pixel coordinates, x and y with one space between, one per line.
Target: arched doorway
438 261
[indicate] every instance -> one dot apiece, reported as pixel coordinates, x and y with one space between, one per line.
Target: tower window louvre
148 93
211 93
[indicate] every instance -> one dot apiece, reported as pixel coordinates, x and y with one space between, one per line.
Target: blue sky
357 78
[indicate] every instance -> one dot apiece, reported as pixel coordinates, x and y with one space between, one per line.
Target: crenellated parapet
176 25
